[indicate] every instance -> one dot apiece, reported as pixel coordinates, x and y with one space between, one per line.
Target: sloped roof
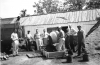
8 20
59 18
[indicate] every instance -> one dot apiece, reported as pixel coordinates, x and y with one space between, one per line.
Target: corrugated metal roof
77 16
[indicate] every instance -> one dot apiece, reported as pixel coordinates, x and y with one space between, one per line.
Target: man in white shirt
15 44
38 40
61 40
29 40
45 37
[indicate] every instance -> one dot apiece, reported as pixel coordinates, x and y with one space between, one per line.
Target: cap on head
98 18
15 30
66 27
28 31
36 29
78 26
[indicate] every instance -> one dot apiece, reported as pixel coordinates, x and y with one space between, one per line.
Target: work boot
85 57
69 58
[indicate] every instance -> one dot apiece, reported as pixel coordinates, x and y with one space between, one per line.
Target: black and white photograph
49 32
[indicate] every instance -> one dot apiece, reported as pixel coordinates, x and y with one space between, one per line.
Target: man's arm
12 36
34 36
83 34
73 32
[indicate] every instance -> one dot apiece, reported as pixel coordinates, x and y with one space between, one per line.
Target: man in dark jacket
81 45
67 41
72 33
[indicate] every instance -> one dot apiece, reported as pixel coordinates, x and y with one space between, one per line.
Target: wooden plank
30 55
54 54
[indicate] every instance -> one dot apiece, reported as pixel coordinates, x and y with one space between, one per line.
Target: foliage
54 6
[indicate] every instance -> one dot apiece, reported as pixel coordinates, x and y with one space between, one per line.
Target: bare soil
94 59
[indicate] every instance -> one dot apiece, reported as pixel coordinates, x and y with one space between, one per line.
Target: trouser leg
26 44
14 49
17 44
72 47
39 43
79 49
69 49
61 44
83 47
29 45
72 43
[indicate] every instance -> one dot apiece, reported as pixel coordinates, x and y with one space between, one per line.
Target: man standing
29 40
72 32
67 41
15 43
61 39
81 45
38 39
45 37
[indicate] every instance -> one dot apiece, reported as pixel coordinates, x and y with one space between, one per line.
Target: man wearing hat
80 35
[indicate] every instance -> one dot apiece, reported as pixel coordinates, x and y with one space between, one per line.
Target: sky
12 8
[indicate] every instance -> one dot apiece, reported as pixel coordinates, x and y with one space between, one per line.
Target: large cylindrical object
54 36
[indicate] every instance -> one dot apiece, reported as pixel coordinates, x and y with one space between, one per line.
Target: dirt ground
94 59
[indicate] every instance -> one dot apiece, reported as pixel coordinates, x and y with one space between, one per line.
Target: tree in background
46 6
23 13
50 6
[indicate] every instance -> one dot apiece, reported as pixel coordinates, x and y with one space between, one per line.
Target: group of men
70 40
38 38
65 40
